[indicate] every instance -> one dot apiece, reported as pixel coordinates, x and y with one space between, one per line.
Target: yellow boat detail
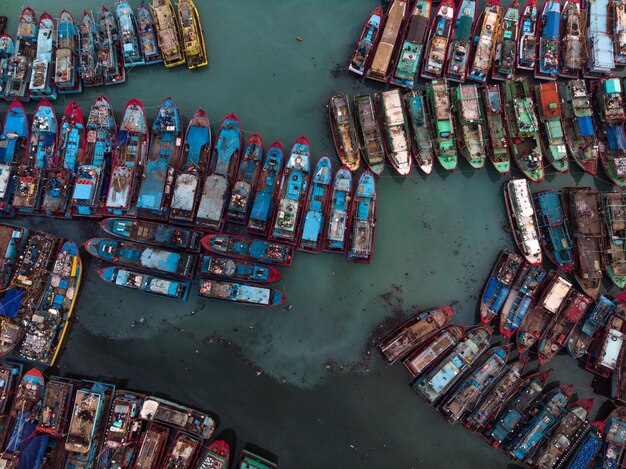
168 33
193 37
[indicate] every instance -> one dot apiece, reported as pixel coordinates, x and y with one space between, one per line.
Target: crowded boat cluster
51 56
54 422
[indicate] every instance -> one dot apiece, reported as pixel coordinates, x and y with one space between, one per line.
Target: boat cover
551 29
11 302
615 137
585 124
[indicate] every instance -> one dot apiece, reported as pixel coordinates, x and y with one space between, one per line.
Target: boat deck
386 45
82 426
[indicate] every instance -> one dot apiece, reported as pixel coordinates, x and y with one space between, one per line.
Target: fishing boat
619 31
599 40
460 47
367 42
422 142
618 381
192 35
432 386
520 298
56 406
235 269
293 190
147 36
482 375
129 159
605 352
413 42
90 180
498 141
250 459
527 36
395 127
505 50
156 234
614 207
548 33
523 129
316 207
67 73
423 358
554 233
89 409
551 128
242 293
195 156
194 422
152 446
111 56
266 191
573 22
249 249
10 377
129 37
158 261
222 172
613 140
89 63
181 453
217 456
485 37
146 283
578 124
614 430
7 49
19 65
581 337
414 333
59 178
470 121
589 237
523 219
561 326
123 429
439 110
362 226
42 76
381 66
343 130
499 284
338 220
14 147
438 38
586 448
371 141
168 33
30 172
13 240
247 175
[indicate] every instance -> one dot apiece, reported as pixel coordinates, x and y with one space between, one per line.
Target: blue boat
146 283
156 234
316 208
266 191
585 452
499 284
13 150
195 154
67 65
600 48
520 298
614 430
148 36
363 223
247 176
129 38
141 256
249 249
42 75
221 175
596 318
367 41
7 49
89 64
41 154
162 162
293 190
19 64
547 67
89 184
242 293
236 269
555 236
111 59
339 215
12 243
460 46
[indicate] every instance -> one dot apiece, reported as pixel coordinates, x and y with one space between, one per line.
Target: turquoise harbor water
302 381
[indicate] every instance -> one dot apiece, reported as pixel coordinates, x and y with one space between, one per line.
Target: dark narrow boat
362 226
421 142
584 451
547 67
581 338
266 191
618 381
612 151
247 176
111 55
191 34
194 422
556 241
438 38
523 219
235 269
371 140
14 147
395 129
151 447
527 36
440 344
89 62
146 283
460 47
168 33
123 430
470 124
7 49
381 66
316 208
250 459
442 129
19 65
614 208
607 347
249 249
551 128
344 132
506 44
242 293
338 220
614 430
13 240
573 23
148 36
54 414
618 20
42 76
156 234
485 37
181 453
217 456
67 66
498 139
499 284
129 37
367 41
522 294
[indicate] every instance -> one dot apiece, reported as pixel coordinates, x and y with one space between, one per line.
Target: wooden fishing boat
368 40
217 456
523 292
111 56
619 31
142 282
470 123
42 75
362 226
67 73
247 175
14 148
249 249
195 423
192 34
439 110
89 62
168 33
425 357
498 287
438 38
393 121
573 53
421 142
551 129
7 49
371 141
547 65
523 219
312 233
338 220
556 240
606 350
343 130
19 65
123 429
612 150
153 233
498 143
381 66
227 268
486 34
599 38
527 36
247 294
148 36
182 452
151 446
581 338
129 36
614 207
54 414
460 47
506 44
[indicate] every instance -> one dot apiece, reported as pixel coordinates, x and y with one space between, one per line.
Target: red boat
368 39
182 452
151 447
217 456
423 358
53 417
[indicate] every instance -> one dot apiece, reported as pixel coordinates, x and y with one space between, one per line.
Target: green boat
549 106
614 206
422 140
439 109
498 143
613 138
470 121
523 130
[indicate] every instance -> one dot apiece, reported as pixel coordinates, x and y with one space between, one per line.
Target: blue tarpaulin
551 29
615 137
586 126
122 135
11 302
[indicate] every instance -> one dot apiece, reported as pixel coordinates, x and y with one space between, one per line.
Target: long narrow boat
498 143
111 55
338 220
523 219
242 293
523 129
13 240
430 353
266 191
442 130
460 47
573 22
505 51
520 298
527 37
89 65
438 38
599 40
146 283
42 75
153 233
613 139
249 249
362 230
614 430
168 33
581 338
578 124
316 207
140 256
182 452
551 128
368 40
413 42
14 147
614 207
248 173
371 140
123 430
470 123
152 446
587 444
28 400
7 49
381 66
222 172
192 36
395 127
227 268
195 156
162 162
422 142
606 350
59 179
547 65
414 333
499 283
19 65
67 69
129 37
619 31
148 36
618 381
217 456
556 241
293 190
485 38
194 422
343 130
129 159
10 375
56 407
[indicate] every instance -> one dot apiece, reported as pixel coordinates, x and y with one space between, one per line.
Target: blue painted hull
266 191
145 283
